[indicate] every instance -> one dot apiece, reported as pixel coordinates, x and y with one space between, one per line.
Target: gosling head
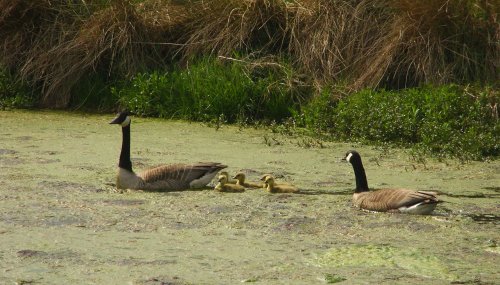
264 177
122 119
269 180
240 176
222 179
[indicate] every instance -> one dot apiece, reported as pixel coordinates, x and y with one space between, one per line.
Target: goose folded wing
392 199
178 176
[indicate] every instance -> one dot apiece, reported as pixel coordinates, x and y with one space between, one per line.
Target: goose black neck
359 173
125 162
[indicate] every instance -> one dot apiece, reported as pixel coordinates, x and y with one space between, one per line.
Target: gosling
224 186
240 180
272 187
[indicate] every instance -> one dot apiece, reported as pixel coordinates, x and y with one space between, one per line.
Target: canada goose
388 200
272 187
224 186
240 180
165 177
230 181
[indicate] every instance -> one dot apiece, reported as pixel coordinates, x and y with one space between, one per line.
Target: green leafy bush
14 94
448 120
208 90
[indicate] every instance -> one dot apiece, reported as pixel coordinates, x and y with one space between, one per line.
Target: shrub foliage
446 120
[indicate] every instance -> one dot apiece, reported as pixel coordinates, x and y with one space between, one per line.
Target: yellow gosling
272 187
240 180
231 181
224 186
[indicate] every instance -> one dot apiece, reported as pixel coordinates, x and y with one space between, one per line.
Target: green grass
208 90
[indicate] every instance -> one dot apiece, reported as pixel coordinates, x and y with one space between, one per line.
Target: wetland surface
63 222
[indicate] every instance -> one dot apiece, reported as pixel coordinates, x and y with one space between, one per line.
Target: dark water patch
60 221
124 202
161 280
471 196
48 256
24 138
11 161
85 167
325 192
48 152
40 160
328 183
138 262
7 151
492 188
28 253
250 171
485 218
69 186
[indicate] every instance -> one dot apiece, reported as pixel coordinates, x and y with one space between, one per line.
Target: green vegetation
210 89
446 120
15 94
332 66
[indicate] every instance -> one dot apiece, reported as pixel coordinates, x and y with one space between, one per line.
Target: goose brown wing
178 176
391 199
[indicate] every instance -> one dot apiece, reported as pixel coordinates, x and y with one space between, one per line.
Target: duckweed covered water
62 221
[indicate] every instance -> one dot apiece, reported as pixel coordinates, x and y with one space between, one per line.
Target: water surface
62 221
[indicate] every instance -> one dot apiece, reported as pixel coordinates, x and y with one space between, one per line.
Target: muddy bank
62 220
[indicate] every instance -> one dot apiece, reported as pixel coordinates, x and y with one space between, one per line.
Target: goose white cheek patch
348 157
126 122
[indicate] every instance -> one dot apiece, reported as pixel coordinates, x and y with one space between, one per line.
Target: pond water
63 222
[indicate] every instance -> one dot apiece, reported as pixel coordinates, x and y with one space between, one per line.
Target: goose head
353 157
122 119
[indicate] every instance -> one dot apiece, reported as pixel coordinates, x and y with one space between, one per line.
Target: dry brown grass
223 27
362 43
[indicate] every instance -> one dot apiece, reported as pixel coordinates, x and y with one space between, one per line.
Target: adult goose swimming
388 200
166 177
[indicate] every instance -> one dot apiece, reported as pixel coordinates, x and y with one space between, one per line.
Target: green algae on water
415 261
